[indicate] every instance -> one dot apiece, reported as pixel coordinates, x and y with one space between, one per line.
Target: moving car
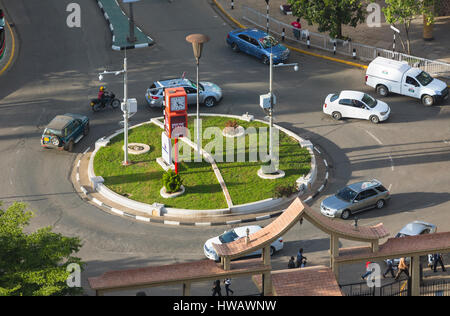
64 131
259 44
235 234
355 198
354 104
387 75
209 93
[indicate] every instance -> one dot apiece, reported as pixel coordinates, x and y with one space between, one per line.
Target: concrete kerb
156 210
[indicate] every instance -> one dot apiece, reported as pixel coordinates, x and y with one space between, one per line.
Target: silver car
209 93
355 198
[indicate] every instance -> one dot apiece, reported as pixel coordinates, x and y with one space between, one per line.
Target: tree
34 264
330 15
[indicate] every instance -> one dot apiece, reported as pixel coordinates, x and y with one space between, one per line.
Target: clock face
178 104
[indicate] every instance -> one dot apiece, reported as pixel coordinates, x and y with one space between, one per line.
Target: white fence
348 48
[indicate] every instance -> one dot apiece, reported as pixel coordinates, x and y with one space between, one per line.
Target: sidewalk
381 37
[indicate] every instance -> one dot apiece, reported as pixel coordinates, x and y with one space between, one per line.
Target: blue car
64 131
257 43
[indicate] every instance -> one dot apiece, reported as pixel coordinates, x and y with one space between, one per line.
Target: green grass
142 180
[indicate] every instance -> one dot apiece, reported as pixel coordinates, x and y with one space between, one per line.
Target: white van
387 75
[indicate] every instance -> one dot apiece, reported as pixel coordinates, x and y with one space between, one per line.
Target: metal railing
396 288
435 288
336 46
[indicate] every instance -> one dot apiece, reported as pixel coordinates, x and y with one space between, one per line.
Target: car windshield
228 236
346 194
50 131
367 99
399 235
268 41
194 85
424 78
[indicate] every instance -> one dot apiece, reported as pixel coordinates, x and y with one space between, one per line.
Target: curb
111 27
115 211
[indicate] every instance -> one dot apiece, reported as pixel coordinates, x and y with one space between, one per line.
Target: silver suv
355 198
209 93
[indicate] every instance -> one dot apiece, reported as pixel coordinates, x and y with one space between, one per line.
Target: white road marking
326 163
374 137
317 150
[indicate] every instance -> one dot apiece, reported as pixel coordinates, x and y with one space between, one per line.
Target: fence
347 48
435 288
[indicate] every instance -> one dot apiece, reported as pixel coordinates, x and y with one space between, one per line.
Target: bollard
334 48
232 4
283 34
308 42
354 53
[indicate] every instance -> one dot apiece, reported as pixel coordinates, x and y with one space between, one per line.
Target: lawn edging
157 209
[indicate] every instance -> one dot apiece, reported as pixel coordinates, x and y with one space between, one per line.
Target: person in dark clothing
438 259
296 27
216 289
390 268
291 264
300 258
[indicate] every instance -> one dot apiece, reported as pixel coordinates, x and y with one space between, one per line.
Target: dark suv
64 131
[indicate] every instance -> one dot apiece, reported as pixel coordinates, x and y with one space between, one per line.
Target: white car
235 234
354 104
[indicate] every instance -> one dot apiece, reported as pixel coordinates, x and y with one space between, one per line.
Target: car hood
276 50
334 203
209 86
381 107
436 85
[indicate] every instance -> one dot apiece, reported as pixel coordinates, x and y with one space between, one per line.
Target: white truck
387 75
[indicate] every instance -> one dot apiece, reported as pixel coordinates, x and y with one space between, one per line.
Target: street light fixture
124 104
197 41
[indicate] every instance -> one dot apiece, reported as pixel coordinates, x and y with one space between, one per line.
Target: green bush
285 191
172 181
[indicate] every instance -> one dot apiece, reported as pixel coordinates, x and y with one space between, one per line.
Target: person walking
438 259
296 27
227 283
216 289
402 268
390 268
291 263
368 271
300 258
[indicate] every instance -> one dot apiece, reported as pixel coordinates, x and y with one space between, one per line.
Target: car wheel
86 129
346 214
69 146
380 204
55 141
265 60
96 107
210 102
272 250
427 100
375 119
382 90
336 115
235 48
115 103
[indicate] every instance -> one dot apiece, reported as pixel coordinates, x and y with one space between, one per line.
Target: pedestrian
300 258
291 263
438 259
216 289
368 271
227 283
390 268
402 268
296 27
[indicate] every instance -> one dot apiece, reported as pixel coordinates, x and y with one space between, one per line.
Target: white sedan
235 234
354 104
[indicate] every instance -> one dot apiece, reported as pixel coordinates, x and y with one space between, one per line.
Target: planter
137 148
166 195
233 132
271 176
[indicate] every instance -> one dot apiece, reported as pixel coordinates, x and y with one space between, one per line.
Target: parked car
415 228
355 198
235 234
286 9
209 93
387 75
64 131
259 44
354 104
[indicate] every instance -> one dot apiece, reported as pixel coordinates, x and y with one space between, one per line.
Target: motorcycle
109 99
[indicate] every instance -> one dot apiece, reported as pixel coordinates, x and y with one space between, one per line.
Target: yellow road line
12 49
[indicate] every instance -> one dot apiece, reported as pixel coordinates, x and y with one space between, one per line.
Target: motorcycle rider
101 95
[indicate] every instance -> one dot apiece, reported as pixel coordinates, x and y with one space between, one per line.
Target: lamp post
124 105
197 41
396 30
267 15
295 65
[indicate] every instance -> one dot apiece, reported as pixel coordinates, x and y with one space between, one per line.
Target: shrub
172 181
285 190
233 124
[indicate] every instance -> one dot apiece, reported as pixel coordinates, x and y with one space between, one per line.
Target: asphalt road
56 72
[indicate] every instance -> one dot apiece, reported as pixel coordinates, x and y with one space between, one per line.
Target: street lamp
295 65
197 41
124 104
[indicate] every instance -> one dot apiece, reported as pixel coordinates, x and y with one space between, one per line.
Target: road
56 72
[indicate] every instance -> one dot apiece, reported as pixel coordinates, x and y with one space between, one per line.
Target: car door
411 87
365 199
359 110
254 48
243 43
344 106
76 129
191 95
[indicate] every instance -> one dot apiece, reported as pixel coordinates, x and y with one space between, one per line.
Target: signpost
131 38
